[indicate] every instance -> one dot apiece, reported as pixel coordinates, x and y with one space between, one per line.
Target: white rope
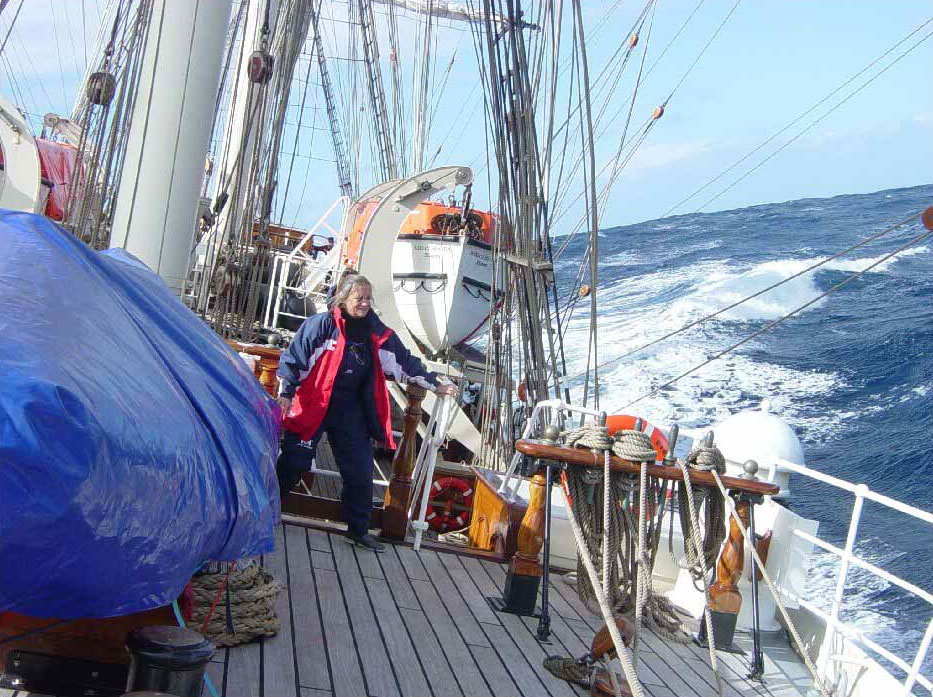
621 650
644 577
771 587
606 560
707 615
607 565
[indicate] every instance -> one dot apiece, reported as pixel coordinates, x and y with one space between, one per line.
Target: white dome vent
764 438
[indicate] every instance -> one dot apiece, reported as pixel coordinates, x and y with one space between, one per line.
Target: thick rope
643 562
694 529
253 594
583 483
621 650
607 475
704 458
801 647
629 445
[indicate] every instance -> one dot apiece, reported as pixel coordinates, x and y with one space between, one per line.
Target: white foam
637 310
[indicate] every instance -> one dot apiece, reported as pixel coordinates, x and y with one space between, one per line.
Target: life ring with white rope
625 422
446 493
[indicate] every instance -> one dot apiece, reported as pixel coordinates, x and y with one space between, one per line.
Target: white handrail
847 557
554 404
423 471
867 493
282 262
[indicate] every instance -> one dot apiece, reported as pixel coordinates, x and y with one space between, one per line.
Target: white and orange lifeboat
441 268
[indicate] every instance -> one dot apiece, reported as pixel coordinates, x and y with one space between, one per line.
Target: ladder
343 167
377 95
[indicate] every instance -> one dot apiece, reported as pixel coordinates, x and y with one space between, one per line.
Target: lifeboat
442 270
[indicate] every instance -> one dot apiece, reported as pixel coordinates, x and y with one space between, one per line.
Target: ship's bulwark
135 444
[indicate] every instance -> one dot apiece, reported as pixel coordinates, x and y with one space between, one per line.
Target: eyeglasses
360 299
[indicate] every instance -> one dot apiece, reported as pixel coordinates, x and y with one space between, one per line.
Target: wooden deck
407 623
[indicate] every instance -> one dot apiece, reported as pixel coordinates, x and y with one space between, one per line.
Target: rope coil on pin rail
609 584
700 553
634 528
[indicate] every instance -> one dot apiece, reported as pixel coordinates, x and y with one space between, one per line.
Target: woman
332 379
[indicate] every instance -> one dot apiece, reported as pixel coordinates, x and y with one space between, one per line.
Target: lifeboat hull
442 287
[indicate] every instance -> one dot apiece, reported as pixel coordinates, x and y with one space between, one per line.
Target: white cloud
663 154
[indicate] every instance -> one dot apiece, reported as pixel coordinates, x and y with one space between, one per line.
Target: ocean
852 374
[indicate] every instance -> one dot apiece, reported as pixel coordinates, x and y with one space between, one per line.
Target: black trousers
349 440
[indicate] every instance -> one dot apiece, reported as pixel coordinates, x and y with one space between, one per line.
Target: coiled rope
693 526
249 609
633 545
696 549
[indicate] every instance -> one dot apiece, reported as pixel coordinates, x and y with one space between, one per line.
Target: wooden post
521 583
724 595
267 377
531 531
725 600
395 508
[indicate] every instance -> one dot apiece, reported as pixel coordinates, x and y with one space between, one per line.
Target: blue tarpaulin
136 444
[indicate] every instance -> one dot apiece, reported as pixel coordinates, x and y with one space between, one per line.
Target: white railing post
554 405
423 472
918 661
860 491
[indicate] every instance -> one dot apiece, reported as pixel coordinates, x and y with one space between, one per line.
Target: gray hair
347 284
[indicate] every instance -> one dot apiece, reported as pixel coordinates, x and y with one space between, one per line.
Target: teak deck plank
433 660
243 671
463 659
406 623
474 597
370 643
412 564
402 589
458 609
278 655
495 672
562 640
318 541
310 646
346 673
530 647
369 564
405 657
215 670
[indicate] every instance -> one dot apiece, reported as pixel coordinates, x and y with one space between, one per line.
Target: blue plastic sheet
136 444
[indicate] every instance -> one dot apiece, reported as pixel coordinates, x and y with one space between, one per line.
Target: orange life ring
620 422
445 492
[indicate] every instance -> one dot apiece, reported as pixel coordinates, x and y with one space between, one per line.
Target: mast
157 204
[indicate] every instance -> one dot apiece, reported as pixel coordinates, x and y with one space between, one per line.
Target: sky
770 62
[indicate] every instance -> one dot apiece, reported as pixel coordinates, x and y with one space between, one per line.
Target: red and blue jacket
310 364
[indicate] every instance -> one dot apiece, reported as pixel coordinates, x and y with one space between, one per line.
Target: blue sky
770 63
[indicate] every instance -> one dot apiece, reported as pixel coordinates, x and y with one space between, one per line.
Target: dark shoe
367 541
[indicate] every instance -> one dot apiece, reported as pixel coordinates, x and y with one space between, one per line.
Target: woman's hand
285 403
446 390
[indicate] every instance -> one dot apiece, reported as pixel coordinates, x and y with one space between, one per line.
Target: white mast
157 204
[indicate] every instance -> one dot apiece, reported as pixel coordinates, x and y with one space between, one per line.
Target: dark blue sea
852 374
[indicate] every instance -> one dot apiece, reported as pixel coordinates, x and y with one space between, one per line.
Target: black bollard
167 659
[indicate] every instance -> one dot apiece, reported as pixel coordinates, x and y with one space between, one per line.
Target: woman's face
359 301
